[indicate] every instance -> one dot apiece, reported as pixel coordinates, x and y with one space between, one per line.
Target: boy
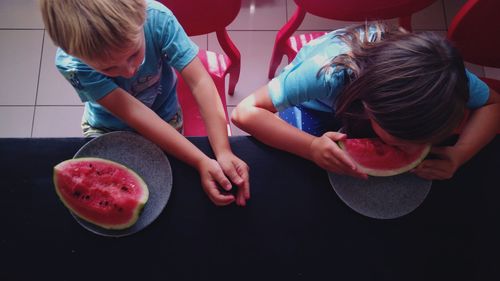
118 55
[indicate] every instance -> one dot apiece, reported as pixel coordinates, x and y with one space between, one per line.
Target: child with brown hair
408 89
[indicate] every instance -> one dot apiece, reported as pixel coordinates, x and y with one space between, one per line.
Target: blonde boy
119 55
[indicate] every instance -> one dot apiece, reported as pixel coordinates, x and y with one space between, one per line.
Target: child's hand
328 155
212 177
441 168
237 171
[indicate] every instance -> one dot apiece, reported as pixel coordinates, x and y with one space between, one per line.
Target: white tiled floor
35 101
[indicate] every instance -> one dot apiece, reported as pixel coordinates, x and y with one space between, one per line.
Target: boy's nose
130 71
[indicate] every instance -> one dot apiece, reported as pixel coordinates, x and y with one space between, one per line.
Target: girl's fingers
431 174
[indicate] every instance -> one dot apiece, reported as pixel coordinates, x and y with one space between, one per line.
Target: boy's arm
481 127
150 125
255 115
209 103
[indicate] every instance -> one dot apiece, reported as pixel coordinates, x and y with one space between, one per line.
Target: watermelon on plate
376 158
101 191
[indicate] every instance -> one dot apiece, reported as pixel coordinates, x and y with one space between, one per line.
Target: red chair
475 32
199 17
352 10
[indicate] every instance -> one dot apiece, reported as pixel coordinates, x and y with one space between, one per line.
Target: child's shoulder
157 8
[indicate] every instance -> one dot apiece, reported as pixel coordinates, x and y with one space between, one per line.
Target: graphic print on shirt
146 88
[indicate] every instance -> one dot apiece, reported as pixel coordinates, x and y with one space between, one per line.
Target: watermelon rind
392 172
137 210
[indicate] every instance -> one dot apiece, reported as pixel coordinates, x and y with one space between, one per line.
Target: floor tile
20 52
20 14
491 72
53 88
200 40
451 7
255 48
312 22
16 121
260 15
430 18
48 121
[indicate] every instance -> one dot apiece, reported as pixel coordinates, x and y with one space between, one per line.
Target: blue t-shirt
166 46
298 84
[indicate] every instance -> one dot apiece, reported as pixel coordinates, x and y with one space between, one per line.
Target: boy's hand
212 177
237 171
328 155
441 168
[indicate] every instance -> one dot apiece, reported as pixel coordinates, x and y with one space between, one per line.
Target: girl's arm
255 115
213 114
481 127
150 125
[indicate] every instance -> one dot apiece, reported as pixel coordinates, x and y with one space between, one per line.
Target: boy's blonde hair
92 29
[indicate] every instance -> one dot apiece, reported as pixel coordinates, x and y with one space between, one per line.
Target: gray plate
147 160
381 197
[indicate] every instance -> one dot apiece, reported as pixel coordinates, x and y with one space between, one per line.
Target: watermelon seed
124 188
76 193
87 197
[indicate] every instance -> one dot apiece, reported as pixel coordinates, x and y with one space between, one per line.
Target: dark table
294 227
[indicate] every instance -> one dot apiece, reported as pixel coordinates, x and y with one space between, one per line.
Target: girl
407 89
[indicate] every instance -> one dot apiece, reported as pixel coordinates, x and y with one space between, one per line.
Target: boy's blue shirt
166 46
298 82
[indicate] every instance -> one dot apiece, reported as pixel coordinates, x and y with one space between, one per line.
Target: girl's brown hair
413 85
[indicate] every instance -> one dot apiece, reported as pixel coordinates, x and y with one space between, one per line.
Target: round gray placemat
147 160
381 197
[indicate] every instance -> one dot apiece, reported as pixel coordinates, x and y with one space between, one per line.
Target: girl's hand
212 177
442 168
237 171
328 155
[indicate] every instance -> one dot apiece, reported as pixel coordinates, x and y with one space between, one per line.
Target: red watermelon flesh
100 191
376 158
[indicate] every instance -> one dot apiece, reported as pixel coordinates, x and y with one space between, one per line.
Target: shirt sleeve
301 83
176 47
479 92
88 83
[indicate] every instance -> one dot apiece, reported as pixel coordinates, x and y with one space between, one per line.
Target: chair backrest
202 17
475 31
361 10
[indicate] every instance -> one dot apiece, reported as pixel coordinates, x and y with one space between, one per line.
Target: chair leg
234 76
234 56
280 42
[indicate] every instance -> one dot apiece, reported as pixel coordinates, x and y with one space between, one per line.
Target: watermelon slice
100 191
376 158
